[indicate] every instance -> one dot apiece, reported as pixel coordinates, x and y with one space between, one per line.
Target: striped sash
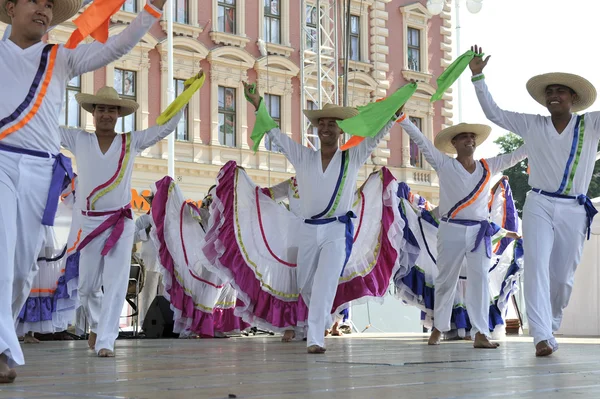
39 86
116 179
473 195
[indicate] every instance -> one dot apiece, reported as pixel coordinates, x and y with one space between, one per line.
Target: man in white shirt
465 230
33 77
327 183
557 212
105 162
149 255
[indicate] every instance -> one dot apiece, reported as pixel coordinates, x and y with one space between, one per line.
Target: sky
526 38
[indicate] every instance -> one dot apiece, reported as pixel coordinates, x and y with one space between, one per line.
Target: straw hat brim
62 11
586 92
328 111
443 140
88 101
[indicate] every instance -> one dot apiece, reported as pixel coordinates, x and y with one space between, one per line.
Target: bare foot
106 353
467 338
327 332
543 349
30 339
435 337
7 375
92 340
482 342
316 349
335 332
288 336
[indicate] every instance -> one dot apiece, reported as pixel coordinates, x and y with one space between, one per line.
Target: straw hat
107 96
443 140
586 92
330 111
62 11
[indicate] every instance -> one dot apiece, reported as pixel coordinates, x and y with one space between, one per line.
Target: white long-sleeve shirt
456 183
18 68
317 186
98 172
549 151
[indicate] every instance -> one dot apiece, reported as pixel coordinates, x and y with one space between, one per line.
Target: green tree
518 176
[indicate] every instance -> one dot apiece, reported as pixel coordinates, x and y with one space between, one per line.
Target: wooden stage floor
357 366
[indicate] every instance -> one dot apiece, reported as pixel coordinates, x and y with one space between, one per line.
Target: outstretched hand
512 234
159 3
478 63
252 94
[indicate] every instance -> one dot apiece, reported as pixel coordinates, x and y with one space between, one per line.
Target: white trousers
321 257
24 185
110 272
151 288
454 244
554 230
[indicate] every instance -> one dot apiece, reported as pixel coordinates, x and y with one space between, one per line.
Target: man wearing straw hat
33 76
557 214
105 162
465 230
327 181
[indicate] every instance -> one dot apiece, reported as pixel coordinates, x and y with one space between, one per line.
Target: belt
345 219
582 199
116 220
62 173
486 230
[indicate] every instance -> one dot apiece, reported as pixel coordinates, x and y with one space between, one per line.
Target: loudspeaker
159 319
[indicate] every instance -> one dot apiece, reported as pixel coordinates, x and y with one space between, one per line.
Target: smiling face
329 132
465 144
559 99
105 118
30 18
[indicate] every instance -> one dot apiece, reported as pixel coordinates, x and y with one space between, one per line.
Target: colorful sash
486 230
574 156
115 221
582 199
473 195
62 173
116 179
332 207
46 68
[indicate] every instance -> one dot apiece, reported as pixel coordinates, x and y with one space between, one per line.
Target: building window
313 132
416 158
70 114
414 49
354 38
273 104
311 27
226 16
130 6
181 132
227 116
182 12
125 85
272 21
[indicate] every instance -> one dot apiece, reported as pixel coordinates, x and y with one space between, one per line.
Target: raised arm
499 163
512 121
292 150
365 148
92 56
147 138
435 157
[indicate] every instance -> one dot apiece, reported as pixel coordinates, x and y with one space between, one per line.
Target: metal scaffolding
318 59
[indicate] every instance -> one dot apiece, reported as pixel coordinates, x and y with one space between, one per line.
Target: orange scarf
94 22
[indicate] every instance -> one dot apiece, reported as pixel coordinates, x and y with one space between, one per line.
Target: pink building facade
272 42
